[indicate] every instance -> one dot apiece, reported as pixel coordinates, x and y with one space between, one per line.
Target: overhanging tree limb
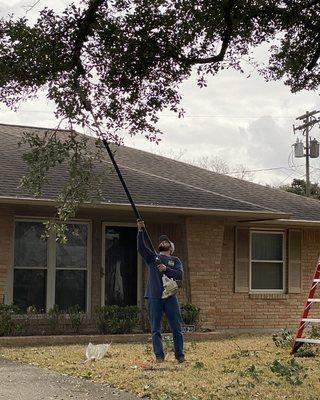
84 27
125 60
226 38
315 57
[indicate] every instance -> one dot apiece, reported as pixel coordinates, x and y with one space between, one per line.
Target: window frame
283 261
51 262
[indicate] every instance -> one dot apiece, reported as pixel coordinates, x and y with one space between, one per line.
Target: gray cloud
31 8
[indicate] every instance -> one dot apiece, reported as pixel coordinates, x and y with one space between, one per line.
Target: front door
121 266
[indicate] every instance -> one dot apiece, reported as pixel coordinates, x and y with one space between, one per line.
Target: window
71 268
267 261
30 266
46 272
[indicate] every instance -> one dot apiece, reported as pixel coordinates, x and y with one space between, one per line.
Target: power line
230 116
289 176
187 116
265 169
32 111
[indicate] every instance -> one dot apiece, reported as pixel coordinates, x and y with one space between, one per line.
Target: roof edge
38 127
155 208
291 222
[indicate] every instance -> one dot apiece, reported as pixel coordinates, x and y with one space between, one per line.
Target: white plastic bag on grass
96 351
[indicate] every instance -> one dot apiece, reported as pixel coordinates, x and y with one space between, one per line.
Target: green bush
76 317
7 326
20 329
190 314
53 318
117 319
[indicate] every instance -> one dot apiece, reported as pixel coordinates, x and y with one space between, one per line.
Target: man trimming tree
161 301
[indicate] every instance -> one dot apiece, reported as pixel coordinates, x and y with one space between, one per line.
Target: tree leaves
77 158
126 59
116 64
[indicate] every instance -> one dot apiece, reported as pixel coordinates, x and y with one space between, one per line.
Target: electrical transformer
298 149
314 148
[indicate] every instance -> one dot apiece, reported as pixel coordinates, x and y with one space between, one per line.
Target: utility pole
307 156
309 120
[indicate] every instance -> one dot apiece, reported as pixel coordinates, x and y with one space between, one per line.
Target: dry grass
232 368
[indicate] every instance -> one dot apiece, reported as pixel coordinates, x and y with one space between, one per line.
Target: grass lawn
246 367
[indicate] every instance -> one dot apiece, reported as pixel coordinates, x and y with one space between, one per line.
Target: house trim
291 223
257 215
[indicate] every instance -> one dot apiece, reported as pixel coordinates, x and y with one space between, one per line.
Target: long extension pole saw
125 187
88 107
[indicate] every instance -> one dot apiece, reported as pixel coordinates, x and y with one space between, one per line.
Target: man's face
164 245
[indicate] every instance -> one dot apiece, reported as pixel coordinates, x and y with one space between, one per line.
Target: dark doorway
120 265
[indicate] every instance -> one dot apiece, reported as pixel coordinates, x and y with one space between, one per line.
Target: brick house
249 251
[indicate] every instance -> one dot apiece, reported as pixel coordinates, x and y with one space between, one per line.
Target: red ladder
298 339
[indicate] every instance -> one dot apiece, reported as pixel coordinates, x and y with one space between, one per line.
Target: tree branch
85 24
84 29
314 59
226 38
273 10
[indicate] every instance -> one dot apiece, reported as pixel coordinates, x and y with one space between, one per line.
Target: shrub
7 326
31 310
20 329
76 317
53 317
117 319
190 314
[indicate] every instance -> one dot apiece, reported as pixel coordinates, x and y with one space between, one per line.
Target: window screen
71 268
30 266
267 261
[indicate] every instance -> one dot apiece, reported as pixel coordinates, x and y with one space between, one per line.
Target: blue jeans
171 308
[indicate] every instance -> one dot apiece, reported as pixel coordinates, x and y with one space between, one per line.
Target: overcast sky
238 119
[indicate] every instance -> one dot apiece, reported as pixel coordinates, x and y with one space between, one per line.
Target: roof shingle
157 181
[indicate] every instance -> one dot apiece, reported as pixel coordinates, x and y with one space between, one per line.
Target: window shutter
242 258
294 264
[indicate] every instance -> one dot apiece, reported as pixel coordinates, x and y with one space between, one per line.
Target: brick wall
205 244
211 262
6 235
207 251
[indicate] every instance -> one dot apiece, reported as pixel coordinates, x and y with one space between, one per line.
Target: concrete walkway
26 382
